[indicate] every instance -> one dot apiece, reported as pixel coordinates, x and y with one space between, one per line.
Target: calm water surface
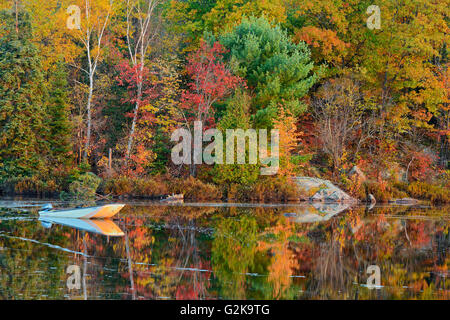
216 251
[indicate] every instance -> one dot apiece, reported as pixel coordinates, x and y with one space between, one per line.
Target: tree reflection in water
195 252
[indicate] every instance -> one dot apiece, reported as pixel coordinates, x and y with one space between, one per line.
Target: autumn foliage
210 81
106 98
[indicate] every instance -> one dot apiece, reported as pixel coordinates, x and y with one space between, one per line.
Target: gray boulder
315 189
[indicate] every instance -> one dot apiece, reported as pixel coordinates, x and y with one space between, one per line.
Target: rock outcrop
315 189
371 199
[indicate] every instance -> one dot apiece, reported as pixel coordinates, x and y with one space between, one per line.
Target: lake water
225 251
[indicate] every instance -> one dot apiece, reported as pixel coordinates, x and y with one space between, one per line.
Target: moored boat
100 212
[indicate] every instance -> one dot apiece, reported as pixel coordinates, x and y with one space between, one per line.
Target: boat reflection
105 227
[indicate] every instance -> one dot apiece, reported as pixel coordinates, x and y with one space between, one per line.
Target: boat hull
100 212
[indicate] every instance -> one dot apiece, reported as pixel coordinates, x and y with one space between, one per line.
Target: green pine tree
21 99
277 70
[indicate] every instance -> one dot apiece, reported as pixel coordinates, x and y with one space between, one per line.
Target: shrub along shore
265 189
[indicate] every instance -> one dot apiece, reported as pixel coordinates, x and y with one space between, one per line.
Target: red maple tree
141 88
130 77
211 81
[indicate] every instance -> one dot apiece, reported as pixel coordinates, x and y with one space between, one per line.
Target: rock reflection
318 211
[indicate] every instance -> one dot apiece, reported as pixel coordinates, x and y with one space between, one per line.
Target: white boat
101 226
100 212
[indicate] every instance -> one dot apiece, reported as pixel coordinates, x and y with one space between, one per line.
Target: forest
92 90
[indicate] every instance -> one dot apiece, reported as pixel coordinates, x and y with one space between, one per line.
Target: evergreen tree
22 134
276 69
58 122
236 117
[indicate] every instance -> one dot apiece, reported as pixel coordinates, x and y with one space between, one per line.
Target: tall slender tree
58 118
91 33
141 30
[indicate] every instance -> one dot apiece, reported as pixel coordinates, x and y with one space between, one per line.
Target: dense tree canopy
106 97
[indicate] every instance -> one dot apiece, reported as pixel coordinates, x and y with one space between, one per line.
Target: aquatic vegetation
195 189
34 185
435 193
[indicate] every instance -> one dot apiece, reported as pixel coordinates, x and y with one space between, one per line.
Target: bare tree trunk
443 153
87 39
407 170
109 161
136 109
16 9
193 170
89 118
139 37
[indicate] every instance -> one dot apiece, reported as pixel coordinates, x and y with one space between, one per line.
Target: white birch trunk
138 43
